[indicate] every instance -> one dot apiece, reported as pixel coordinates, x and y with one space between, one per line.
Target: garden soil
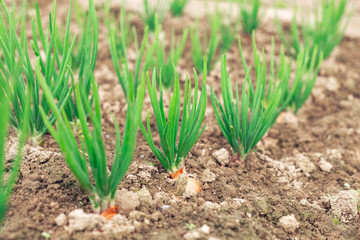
298 184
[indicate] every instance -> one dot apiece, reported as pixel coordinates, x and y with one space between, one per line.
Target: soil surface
299 184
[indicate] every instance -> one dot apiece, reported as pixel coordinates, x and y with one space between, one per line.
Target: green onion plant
165 61
154 9
208 46
245 119
323 34
101 187
176 143
85 58
53 66
8 177
296 88
227 29
118 51
307 69
250 15
177 7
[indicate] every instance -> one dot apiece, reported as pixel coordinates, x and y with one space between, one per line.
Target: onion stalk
91 151
176 143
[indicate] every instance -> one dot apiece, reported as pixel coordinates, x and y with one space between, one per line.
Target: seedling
156 9
244 123
250 15
84 21
324 33
54 68
307 68
165 62
85 59
92 147
175 146
227 31
20 20
46 235
177 7
190 226
119 57
208 46
293 93
8 178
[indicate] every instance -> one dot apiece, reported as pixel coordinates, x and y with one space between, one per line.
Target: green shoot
293 93
85 59
165 62
156 9
54 68
81 20
227 29
20 19
250 15
92 147
8 178
175 146
119 57
244 123
307 68
177 7
325 33
208 46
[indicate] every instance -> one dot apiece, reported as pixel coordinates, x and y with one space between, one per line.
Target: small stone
325 166
203 152
61 220
289 119
191 235
344 206
289 223
333 154
79 221
145 197
127 201
303 202
156 216
205 229
54 204
192 187
238 201
297 184
165 207
304 163
332 84
318 94
131 177
208 176
222 156
209 205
